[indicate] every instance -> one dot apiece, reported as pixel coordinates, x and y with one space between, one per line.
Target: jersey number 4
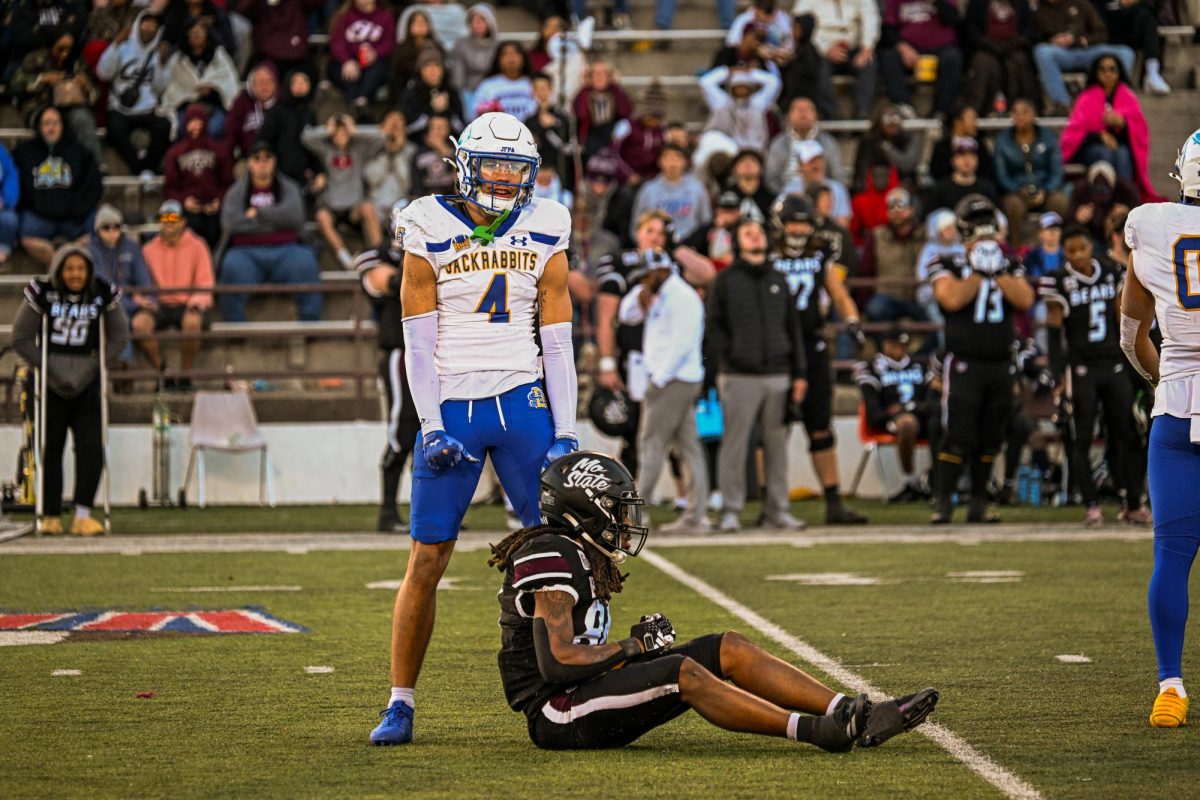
495 299
1187 265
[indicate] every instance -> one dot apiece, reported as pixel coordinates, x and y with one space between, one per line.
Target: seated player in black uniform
894 390
979 293
380 271
1082 299
580 691
808 257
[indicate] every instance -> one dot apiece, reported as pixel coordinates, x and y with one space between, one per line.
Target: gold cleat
1170 710
50 526
86 527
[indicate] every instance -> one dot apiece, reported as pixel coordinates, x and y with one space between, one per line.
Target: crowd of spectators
220 99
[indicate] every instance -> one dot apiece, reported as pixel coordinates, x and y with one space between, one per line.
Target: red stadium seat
873 440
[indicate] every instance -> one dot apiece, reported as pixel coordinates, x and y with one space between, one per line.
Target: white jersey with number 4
486 293
1165 240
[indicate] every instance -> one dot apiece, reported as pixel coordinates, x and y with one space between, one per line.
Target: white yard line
210 589
479 540
1008 783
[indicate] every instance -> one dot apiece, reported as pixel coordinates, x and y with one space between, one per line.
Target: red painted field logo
236 620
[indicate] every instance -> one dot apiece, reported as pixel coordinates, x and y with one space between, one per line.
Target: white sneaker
715 501
1156 85
729 523
785 522
687 525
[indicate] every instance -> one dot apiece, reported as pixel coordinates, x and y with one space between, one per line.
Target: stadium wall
338 462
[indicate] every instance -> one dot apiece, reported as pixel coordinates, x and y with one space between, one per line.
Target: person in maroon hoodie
915 28
281 32
361 39
641 146
246 115
197 173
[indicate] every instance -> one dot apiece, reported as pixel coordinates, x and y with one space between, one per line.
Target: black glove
655 632
854 330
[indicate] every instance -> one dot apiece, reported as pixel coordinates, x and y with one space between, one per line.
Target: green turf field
237 716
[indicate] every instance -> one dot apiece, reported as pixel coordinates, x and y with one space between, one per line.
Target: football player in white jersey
482 268
1164 282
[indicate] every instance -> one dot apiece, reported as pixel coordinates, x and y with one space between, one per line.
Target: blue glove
563 445
442 451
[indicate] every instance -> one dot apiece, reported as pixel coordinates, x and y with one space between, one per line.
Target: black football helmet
793 208
613 413
977 218
595 497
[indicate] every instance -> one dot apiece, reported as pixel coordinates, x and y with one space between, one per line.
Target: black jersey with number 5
1090 305
74 318
806 280
547 563
983 328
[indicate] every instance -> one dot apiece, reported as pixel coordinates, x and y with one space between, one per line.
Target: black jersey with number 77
983 328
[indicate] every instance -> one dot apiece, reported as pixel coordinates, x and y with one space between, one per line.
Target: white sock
793 723
837 698
1172 683
1152 66
82 512
405 694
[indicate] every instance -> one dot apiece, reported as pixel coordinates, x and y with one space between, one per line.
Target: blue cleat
396 727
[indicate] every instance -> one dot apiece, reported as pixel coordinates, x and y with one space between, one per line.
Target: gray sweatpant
669 418
745 399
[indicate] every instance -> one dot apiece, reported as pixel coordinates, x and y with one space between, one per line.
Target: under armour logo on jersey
518 241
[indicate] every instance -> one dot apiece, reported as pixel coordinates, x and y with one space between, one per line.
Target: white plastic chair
226 421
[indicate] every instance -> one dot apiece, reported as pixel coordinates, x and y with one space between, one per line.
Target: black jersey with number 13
983 328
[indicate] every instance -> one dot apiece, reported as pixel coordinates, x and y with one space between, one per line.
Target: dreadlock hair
607 577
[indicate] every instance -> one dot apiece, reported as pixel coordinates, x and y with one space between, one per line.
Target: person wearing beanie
640 146
77 302
197 173
283 126
118 259
430 92
362 36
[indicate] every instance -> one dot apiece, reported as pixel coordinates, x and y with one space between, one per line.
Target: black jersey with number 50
983 328
806 279
547 563
1089 304
74 318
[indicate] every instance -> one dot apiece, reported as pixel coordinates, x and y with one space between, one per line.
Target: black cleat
840 515
893 717
390 522
837 732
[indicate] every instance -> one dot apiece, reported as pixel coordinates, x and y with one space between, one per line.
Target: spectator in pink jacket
361 39
176 258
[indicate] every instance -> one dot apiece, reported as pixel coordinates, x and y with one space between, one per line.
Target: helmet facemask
495 196
626 533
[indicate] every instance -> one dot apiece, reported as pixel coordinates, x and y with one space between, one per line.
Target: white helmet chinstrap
501 144
1187 168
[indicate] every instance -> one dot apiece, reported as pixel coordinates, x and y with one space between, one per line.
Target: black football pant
614 709
403 425
81 416
977 398
1092 385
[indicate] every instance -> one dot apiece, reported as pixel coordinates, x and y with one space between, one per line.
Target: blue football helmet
501 145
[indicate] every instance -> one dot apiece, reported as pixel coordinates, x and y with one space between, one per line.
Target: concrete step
1168 130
